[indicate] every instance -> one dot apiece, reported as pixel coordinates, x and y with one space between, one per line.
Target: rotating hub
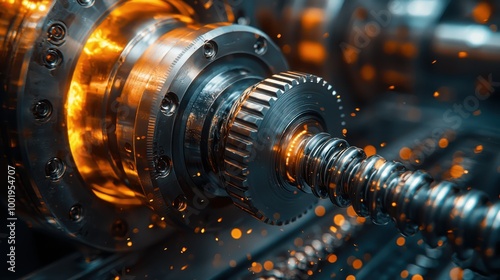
257 146
107 105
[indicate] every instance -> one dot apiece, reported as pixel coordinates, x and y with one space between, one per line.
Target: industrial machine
167 139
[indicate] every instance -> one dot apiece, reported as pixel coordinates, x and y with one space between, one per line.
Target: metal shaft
385 190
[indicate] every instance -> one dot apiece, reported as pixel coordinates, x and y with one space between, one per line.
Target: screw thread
385 191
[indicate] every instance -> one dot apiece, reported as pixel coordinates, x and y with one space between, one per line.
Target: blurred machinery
138 128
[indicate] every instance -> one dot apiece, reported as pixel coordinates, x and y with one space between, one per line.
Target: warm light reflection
320 211
312 52
368 72
482 12
405 153
339 220
86 101
236 233
370 150
457 171
268 265
400 241
312 18
443 143
99 43
291 152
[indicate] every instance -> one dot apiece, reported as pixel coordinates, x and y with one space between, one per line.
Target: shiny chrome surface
97 96
134 122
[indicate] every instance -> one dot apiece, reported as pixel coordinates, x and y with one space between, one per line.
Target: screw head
86 3
169 104
260 46
180 203
52 58
54 169
76 213
56 33
163 165
42 110
210 49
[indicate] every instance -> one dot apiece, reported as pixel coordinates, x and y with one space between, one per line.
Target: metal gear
278 106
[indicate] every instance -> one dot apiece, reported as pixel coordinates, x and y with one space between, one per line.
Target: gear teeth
243 134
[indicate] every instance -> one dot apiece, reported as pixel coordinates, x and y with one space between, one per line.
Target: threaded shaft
385 190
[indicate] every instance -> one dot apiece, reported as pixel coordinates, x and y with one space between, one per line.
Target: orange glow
409 50
351 54
311 18
291 153
256 267
417 277
456 273
463 54
367 72
350 277
457 171
478 149
357 264
405 153
360 220
400 241
90 85
312 52
390 47
268 265
404 274
236 233
339 219
482 12
320 211
332 258
99 43
443 143
436 94
27 5
370 150
351 212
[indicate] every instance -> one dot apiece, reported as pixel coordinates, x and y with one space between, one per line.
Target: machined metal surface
257 139
105 92
129 123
